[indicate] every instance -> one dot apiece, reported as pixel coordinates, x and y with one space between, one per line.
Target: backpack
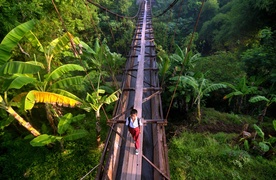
138 119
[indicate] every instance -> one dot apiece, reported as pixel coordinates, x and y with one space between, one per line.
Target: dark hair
133 111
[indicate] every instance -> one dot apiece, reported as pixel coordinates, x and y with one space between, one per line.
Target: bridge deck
140 90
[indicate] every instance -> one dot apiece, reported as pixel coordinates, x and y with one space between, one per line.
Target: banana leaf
67 82
11 40
20 81
60 71
47 97
77 134
44 139
18 67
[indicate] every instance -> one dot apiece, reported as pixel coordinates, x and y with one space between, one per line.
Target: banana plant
15 69
96 100
241 90
5 105
268 102
12 39
49 88
102 60
201 87
65 131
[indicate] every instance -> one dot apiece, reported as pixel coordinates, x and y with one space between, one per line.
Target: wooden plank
115 149
125 170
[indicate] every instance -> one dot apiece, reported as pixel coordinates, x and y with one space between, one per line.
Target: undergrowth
209 156
207 151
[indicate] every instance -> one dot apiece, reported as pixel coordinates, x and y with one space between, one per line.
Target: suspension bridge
140 90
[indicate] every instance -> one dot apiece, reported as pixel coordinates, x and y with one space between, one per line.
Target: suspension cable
168 8
118 15
188 49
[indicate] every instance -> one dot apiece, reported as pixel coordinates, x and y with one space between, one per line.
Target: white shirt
135 123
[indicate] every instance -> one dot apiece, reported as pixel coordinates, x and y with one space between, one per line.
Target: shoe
136 152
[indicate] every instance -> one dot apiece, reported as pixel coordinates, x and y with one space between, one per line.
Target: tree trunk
50 117
24 123
98 127
199 111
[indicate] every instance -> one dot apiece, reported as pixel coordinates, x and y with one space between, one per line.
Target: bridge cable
118 15
188 49
168 8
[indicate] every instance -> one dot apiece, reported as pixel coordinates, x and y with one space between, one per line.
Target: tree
201 87
16 74
268 102
96 100
241 90
16 68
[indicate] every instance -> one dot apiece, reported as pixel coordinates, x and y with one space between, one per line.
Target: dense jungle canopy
61 61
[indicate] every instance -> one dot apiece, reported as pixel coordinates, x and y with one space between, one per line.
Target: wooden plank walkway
140 90
132 164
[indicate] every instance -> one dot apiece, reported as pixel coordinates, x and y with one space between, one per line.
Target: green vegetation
210 156
59 61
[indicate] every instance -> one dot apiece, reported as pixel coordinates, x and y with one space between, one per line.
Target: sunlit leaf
64 123
60 71
43 140
19 67
20 81
77 134
11 40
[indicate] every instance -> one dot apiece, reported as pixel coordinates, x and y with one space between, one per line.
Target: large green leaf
34 41
258 99
259 131
12 38
60 71
44 139
264 147
77 134
111 98
29 101
68 82
66 120
60 44
213 87
64 123
18 67
87 48
20 81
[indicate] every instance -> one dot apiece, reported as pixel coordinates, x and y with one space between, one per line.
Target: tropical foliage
59 64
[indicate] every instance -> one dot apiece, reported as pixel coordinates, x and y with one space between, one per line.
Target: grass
212 155
209 156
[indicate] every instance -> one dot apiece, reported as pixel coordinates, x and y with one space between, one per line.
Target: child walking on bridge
134 123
